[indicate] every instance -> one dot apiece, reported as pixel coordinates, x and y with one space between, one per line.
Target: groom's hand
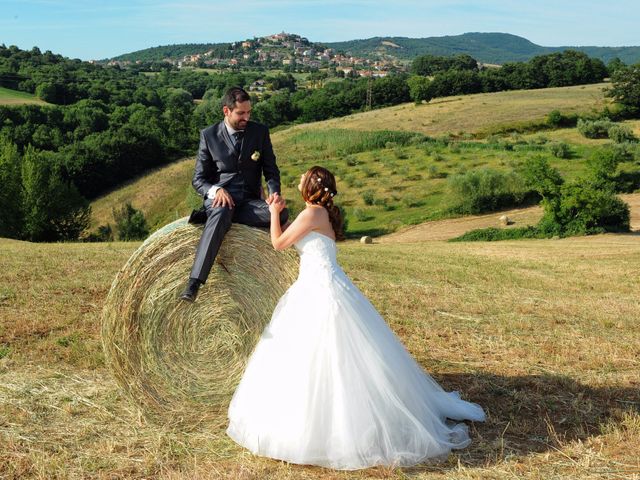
223 199
272 197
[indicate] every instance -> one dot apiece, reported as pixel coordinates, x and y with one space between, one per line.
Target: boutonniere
255 156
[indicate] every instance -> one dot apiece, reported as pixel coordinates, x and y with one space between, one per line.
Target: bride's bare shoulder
316 213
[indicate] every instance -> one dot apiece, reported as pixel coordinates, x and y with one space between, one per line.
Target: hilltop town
282 50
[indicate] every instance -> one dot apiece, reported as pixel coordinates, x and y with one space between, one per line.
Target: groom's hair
234 95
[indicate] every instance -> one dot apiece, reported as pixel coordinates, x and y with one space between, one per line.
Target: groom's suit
237 167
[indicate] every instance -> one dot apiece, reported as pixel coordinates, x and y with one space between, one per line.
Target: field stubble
542 333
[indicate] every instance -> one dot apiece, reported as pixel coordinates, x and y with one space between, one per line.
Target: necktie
238 141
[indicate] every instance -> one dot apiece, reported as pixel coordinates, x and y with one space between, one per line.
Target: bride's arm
303 224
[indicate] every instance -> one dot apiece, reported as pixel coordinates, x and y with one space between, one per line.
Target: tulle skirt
330 384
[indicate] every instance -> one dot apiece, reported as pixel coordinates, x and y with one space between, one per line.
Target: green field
542 333
15 97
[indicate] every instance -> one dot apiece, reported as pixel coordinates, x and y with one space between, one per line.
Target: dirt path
450 228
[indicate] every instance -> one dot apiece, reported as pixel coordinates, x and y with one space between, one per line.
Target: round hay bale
504 220
180 362
366 239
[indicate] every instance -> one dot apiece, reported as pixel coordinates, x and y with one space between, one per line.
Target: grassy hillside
478 114
161 194
543 334
387 180
15 97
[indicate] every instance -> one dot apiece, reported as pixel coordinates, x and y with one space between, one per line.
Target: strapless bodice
317 254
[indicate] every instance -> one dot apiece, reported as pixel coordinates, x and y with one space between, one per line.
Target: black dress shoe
191 292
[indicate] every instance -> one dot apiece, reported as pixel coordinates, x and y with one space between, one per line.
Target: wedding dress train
330 384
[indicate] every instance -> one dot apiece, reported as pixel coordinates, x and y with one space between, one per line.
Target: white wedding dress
330 384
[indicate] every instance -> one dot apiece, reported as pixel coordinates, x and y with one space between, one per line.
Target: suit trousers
253 212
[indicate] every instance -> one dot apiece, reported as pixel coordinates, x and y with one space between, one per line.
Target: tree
178 116
130 223
419 89
428 65
626 88
54 209
614 65
11 208
585 206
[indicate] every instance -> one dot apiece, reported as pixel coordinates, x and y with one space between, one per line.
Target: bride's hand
277 205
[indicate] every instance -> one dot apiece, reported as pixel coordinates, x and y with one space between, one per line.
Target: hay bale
366 239
180 362
505 220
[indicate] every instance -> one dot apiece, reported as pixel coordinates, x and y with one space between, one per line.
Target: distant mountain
485 47
496 48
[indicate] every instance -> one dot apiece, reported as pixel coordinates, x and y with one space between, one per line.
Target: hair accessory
326 189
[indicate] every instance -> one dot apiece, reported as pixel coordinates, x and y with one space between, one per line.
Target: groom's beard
238 125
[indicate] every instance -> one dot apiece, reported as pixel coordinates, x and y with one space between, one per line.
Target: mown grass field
387 181
15 97
544 334
480 114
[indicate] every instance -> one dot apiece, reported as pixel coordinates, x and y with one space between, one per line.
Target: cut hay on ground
180 362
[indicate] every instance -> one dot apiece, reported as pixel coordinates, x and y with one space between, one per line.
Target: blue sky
93 29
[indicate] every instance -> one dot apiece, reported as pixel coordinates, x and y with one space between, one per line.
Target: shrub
400 153
494 234
584 209
560 150
540 139
587 205
368 172
604 171
594 128
556 119
352 161
540 176
349 180
506 145
361 215
623 152
104 234
621 134
368 197
433 172
130 223
485 190
410 201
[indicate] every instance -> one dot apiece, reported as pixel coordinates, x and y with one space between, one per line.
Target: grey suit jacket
218 164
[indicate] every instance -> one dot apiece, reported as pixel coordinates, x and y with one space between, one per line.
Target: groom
232 156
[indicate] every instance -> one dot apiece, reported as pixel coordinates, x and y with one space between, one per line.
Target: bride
329 383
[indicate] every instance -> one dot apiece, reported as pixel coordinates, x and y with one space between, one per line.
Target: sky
97 29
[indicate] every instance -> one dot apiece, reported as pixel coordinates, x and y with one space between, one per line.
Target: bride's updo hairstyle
319 188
